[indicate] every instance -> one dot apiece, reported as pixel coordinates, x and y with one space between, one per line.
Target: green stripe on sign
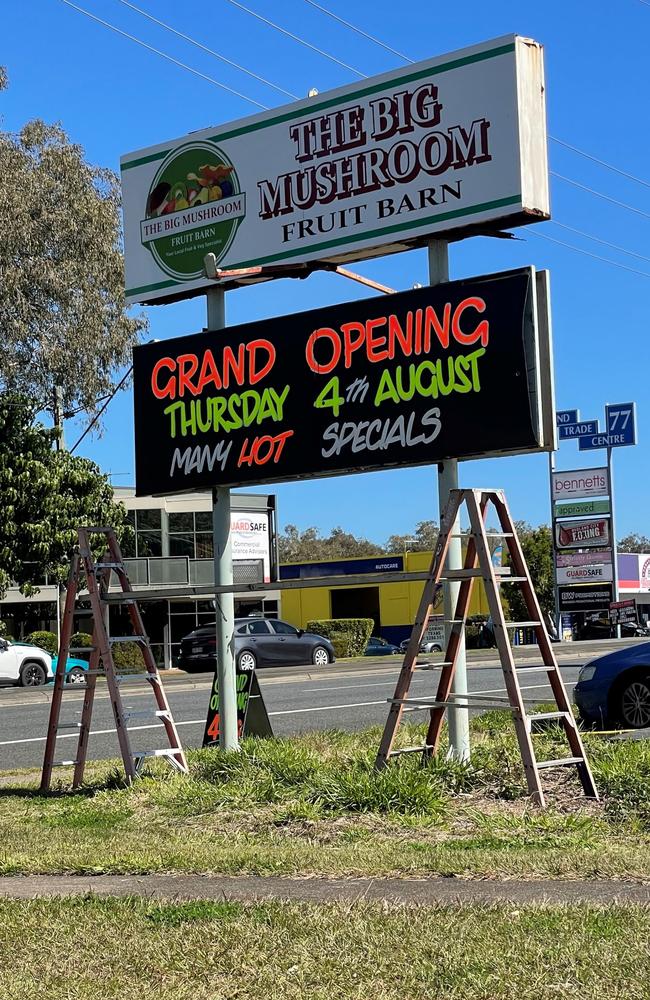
151 288
317 106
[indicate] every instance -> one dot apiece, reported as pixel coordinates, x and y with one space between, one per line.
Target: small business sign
602 573
620 419
451 145
581 508
588 597
566 431
644 572
593 557
566 418
252 717
580 483
621 612
582 534
402 380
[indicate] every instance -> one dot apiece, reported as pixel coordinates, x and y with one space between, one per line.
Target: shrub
349 636
81 640
4 631
128 654
44 640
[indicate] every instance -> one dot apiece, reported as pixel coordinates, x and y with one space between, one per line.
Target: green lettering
386 389
473 359
432 388
171 410
463 384
405 394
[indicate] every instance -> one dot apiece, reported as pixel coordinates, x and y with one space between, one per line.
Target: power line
101 410
597 239
359 31
599 194
588 253
164 55
200 45
602 163
297 38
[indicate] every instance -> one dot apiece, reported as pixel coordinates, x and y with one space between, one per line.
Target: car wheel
320 657
634 703
247 661
76 676
32 674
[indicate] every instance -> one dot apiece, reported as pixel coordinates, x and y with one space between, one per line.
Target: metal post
448 480
556 592
612 528
225 603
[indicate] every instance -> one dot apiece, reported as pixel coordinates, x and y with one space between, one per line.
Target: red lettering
351 342
262 449
328 334
187 368
396 333
481 332
255 374
376 344
169 389
441 331
235 364
209 372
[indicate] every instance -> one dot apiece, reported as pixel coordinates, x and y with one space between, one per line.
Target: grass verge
315 805
196 951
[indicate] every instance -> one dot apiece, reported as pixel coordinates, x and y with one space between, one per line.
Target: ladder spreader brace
97 577
478 563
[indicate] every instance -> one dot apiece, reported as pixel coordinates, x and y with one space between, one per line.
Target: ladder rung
108 565
81 649
144 676
461 574
163 713
548 715
489 534
427 746
128 638
542 668
68 725
433 665
560 762
511 579
520 624
64 763
141 754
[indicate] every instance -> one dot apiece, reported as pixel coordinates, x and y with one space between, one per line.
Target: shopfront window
190 534
148 532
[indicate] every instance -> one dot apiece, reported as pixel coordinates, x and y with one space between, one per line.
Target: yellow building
392 606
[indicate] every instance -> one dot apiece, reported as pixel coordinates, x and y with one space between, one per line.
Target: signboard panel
250 538
582 534
577 430
408 379
621 612
580 508
585 574
621 424
595 556
565 418
580 483
593 442
252 717
451 145
589 597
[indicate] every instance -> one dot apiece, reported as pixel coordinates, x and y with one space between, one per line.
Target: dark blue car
615 689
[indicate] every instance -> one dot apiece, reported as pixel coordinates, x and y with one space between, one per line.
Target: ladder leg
86 716
505 651
546 648
429 592
59 680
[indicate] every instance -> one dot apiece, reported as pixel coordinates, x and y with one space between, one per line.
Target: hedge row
349 636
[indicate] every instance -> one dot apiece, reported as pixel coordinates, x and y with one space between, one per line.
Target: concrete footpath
251 888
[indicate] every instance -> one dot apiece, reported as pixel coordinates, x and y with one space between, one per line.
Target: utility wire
101 410
164 55
588 253
296 38
359 31
200 45
597 239
606 197
602 163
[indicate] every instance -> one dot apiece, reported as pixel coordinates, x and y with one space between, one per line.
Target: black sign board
590 597
621 612
252 717
398 380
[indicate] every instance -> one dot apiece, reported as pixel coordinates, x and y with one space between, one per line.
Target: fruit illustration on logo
197 201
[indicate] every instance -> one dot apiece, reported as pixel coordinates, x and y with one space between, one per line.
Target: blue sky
112 96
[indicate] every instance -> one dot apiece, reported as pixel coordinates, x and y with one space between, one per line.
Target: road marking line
288 711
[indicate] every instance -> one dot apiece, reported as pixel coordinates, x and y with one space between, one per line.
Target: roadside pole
556 592
612 528
223 576
459 747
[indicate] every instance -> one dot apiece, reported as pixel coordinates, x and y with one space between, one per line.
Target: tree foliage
46 495
537 545
309 545
62 307
424 539
634 543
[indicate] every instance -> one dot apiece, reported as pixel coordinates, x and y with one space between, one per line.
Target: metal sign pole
612 528
556 592
223 577
448 480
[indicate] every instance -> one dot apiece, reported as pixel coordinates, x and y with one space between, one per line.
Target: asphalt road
344 696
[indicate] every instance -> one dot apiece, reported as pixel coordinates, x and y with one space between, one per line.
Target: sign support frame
223 574
612 528
459 742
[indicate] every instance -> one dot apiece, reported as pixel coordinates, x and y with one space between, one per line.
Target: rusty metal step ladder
97 576
478 564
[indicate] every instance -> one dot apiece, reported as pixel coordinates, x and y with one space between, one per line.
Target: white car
26 665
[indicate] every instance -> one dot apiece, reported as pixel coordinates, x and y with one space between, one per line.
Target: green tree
634 543
424 539
537 545
46 495
302 546
65 329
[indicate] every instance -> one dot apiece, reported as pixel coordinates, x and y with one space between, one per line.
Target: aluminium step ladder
97 577
478 564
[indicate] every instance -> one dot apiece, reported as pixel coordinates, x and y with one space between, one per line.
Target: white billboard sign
564 559
585 574
582 534
450 146
251 538
580 483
